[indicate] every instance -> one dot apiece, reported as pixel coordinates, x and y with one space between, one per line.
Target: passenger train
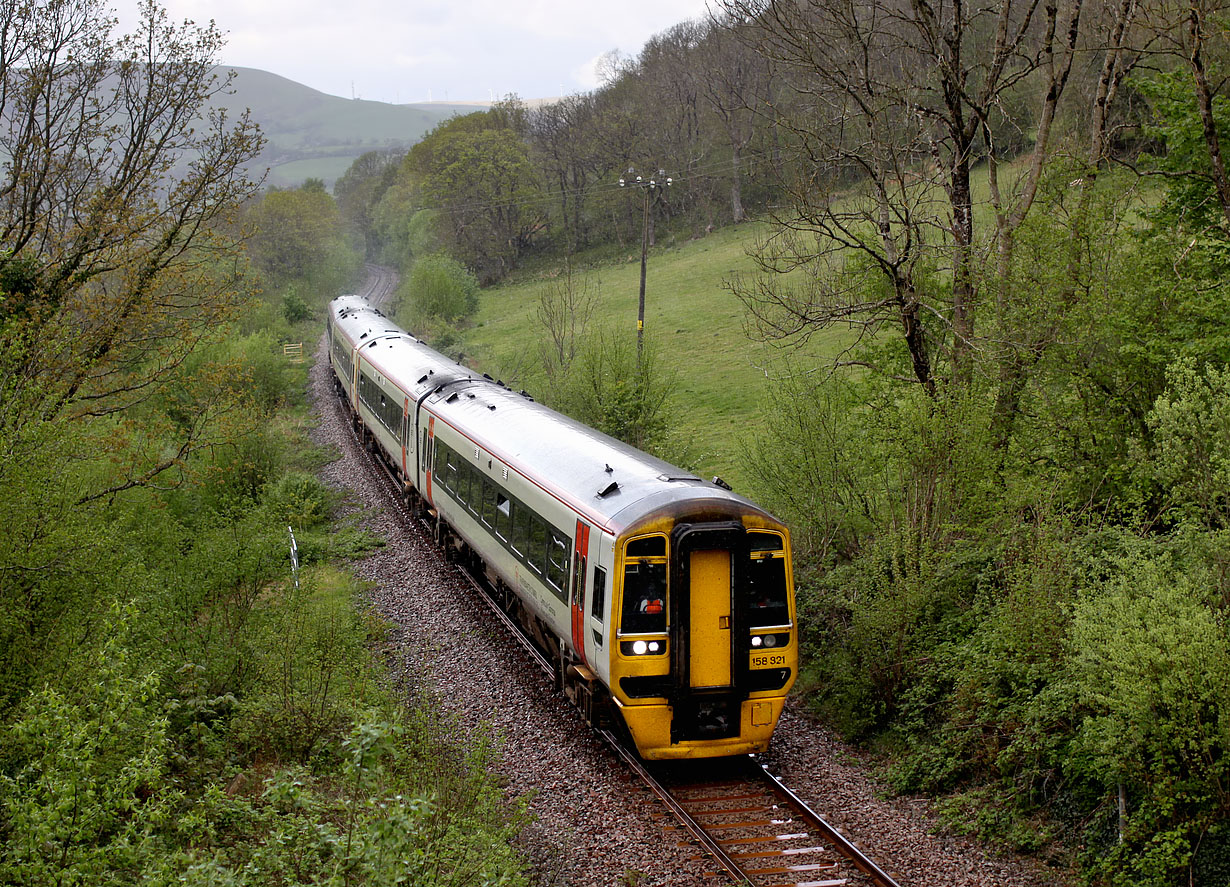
665 601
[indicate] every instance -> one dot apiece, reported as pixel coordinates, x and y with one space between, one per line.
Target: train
664 601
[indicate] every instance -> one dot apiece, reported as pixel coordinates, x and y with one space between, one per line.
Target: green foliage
1190 457
1191 200
1152 665
438 289
82 790
299 499
300 244
606 388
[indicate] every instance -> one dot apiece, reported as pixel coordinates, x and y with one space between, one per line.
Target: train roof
616 485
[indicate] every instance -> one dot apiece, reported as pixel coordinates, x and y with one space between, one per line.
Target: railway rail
753 827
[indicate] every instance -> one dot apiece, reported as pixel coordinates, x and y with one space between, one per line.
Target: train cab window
644 609
766 592
647 546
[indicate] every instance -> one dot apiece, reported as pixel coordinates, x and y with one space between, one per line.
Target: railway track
379 286
756 831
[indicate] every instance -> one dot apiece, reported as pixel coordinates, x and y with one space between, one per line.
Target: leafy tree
485 188
360 189
299 238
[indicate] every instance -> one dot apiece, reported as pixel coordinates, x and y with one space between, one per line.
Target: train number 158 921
768 660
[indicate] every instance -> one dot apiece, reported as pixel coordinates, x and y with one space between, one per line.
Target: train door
708 661
426 463
405 436
580 560
709 632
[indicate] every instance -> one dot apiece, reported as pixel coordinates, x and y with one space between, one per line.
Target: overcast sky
441 50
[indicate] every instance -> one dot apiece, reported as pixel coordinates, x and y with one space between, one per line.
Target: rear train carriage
663 599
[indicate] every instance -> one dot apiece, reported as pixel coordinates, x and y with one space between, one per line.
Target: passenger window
520 529
557 560
503 516
537 553
489 493
644 609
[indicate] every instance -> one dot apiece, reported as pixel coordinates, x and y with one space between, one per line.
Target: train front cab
707 648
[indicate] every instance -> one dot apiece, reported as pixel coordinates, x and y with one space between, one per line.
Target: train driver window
644 610
766 592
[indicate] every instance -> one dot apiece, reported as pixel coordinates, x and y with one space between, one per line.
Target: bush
1151 664
438 288
299 499
83 791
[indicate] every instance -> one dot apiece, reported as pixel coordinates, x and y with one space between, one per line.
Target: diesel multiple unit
665 601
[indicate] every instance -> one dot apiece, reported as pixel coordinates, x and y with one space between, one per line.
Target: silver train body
666 601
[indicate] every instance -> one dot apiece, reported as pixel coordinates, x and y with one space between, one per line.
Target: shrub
438 288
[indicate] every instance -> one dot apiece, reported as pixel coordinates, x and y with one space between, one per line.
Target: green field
691 318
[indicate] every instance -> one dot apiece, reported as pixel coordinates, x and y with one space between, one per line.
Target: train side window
488 503
474 489
599 602
503 516
557 560
538 545
644 609
520 529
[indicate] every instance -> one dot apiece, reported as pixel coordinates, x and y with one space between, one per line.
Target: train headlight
643 647
770 640
757 641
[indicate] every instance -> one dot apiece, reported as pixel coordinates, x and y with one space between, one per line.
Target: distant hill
312 134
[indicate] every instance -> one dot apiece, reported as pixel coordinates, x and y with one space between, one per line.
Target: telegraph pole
654 186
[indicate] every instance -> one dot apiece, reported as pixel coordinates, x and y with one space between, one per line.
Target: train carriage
665 600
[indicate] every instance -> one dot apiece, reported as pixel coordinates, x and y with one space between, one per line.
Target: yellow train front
707 647
664 600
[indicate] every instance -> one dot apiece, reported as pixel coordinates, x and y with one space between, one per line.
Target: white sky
420 50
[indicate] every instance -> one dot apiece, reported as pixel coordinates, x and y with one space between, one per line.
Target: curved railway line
755 830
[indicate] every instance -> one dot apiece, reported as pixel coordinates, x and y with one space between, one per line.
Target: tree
898 97
737 87
476 171
359 190
298 237
118 181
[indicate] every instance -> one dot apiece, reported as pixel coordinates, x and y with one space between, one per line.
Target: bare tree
115 197
736 85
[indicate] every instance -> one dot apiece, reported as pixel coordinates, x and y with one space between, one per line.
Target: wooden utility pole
655 185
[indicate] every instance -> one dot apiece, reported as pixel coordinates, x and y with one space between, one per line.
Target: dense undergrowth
177 706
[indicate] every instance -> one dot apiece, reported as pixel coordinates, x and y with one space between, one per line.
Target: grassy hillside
697 325
312 134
